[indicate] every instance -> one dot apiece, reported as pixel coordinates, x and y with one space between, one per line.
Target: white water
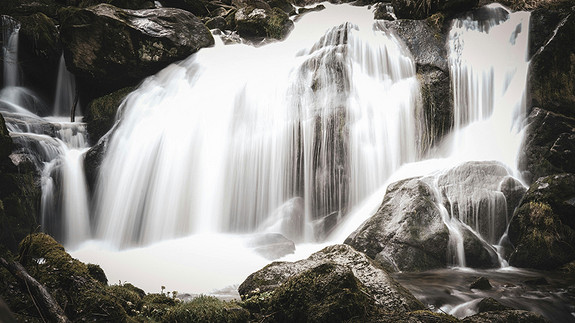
65 91
286 137
10 35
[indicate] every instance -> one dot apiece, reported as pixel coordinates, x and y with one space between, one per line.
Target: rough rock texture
254 23
388 295
39 53
543 227
67 279
101 113
272 245
408 231
490 304
481 283
426 42
505 317
108 48
552 69
421 9
549 145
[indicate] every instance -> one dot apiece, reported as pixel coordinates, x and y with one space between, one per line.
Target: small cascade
298 133
10 32
65 91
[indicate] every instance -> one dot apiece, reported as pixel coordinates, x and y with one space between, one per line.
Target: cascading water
65 91
10 34
289 138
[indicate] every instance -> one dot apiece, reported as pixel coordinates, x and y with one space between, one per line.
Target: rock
5 145
29 7
505 317
388 295
207 309
304 10
101 113
217 23
489 304
426 42
536 281
407 229
93 160
549 145
97 273
259 23
200 8
39 53
481 283
67 279
108 48
421 9
552 67
543 226
272 245
124 4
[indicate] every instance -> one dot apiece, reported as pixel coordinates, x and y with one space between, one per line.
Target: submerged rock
481 283
109 48
278 279
543 227
272 245
549 145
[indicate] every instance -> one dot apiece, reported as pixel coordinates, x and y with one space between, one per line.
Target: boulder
490 304
409 231
340 261
200 8
543 227
125 4
549 145
552 68
101 113
108 48
421 9
505 317
426 41
258 23
271 245
39 53
481 283
29 7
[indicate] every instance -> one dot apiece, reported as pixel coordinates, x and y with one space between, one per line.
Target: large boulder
543 227
108 48
101 113
256 22
552 68
421 9
338 260
426 42
549 145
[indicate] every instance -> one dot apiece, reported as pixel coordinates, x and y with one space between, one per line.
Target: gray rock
505 317
271 245
421 9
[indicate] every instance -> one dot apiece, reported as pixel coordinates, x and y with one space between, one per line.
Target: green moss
101 113
127 297
276 26
207 309
97 273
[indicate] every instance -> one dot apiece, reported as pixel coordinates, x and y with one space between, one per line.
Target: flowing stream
299 137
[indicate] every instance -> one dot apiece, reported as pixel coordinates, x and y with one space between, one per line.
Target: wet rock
28 7
199 8
319 7
536 281
387 294
421 9
39 53
272 245
490 304
108 48
505 317
552 67
97 273
549 145
124 4
101 113
93 160
481 283
258 23
66 279
426 42
543 227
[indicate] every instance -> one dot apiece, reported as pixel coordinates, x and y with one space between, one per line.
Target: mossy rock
101 113
5 144
258 23
28 7
68 280
128 297
207 309
156 306
421 9
543 227
505 317
97 273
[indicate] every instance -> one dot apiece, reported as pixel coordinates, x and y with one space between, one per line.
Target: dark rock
384 11
284 5
207 309
66 279
552 67
319 7
272 245
407 229
489 304
217 23
93 160
481 283
29 7
426 41
259 23
505 317
5 145
199 8
543 226
421 9
39 53
124 4
388 295
549 145
478 254
108 48
97 273
101 113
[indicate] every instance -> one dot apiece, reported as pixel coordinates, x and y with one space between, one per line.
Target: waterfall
65 91
240 139
10 32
